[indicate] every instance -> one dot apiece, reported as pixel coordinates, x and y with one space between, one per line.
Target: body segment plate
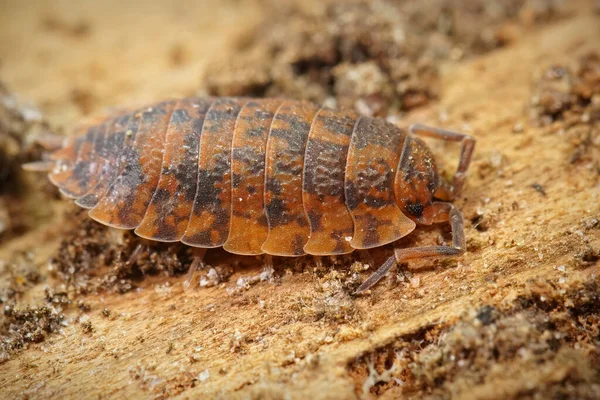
169 210
331 224
120 141
67 158
119 137
248 227
209 220
126 201
286 145
372 162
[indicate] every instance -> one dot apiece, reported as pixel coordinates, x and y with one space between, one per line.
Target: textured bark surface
476 327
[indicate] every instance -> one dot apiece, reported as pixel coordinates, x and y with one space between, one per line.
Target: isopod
262 176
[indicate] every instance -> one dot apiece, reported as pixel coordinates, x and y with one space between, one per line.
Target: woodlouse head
417 180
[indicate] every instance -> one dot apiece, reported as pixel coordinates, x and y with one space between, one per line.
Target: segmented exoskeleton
262 176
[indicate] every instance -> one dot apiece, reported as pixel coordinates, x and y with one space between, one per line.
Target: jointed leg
377 275
268 267
466 152
401 255
318 262
197 263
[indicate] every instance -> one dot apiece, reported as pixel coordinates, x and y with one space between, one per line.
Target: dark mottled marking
417 180
352 199
296 123
180 116
168 213
256 132
208 192
77 183
248 230
372 236
126 201
209 221
326 175
373 158
221 115
336 234
315 221
337 125
415 209
298 244
131 177
277 207
376 176
285 162
254 161
273 185
378 132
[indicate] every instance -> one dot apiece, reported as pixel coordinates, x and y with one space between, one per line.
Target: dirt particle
486 314
588 257
56 298
83 306
19 275
91 259
539 188
87 327
203 376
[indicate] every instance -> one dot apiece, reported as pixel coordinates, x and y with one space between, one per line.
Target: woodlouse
256 176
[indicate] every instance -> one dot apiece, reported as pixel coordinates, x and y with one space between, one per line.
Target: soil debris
567 100
93 257
20 126
545 335
379 57
17 276
32 324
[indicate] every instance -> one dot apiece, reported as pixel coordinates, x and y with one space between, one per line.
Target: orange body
254 176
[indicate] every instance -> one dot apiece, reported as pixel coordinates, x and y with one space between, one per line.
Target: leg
197 263
318 262
468 144
268 269
135 254
401 255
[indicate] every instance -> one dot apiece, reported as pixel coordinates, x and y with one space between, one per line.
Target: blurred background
72 57
517 316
